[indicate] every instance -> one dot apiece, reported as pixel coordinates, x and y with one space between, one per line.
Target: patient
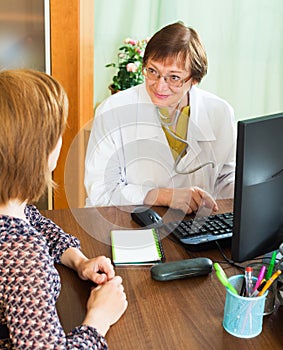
33 111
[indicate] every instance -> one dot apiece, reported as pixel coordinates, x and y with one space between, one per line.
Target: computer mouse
145 216
173 270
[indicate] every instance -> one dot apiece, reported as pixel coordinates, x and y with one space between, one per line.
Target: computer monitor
258 197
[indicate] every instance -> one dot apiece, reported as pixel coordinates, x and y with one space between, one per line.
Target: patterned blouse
30 286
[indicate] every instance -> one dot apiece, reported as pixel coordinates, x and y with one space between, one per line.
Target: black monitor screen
258 199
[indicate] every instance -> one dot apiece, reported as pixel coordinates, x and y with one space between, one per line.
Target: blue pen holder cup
243 316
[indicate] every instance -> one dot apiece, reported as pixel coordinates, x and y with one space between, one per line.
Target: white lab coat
128 153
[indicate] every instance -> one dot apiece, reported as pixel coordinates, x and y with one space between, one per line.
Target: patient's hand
106 305
99 270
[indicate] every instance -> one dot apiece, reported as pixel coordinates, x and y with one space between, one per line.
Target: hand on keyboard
189 200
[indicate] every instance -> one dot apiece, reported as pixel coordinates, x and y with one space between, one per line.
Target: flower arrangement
129 65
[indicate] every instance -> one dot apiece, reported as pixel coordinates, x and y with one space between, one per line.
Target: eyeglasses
171 79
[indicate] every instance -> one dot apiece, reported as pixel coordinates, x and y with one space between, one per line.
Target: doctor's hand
188 200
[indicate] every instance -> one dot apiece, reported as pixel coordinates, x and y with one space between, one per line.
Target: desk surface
182 314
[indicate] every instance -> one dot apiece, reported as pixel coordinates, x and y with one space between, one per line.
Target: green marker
271 265
223 278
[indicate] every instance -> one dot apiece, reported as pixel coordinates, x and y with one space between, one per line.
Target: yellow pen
269 282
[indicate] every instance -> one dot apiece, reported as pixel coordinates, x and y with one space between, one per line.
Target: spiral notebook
136 247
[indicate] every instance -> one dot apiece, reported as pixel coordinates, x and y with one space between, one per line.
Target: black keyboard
203 230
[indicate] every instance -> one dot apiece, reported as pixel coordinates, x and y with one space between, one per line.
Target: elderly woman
164 142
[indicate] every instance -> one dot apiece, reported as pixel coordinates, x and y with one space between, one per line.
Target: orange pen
269 282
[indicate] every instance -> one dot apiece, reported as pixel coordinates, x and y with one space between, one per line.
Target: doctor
165 142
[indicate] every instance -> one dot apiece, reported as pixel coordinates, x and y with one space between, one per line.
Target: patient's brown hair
33 114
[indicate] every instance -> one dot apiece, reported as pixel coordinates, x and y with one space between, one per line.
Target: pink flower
131 67
130 41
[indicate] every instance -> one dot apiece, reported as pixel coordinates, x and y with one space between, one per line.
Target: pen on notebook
269 282
249 280
223 278
271 265
260 277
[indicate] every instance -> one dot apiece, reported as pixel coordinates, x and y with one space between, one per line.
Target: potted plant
129 65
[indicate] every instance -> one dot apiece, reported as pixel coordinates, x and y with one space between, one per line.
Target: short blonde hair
33 114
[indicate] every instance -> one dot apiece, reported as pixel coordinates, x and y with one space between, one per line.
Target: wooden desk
182 314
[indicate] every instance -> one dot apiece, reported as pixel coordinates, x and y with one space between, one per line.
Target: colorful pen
269 282
271 265
255 293
249 280
260 277
223 278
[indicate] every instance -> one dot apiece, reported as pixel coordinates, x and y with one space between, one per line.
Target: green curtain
243 40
